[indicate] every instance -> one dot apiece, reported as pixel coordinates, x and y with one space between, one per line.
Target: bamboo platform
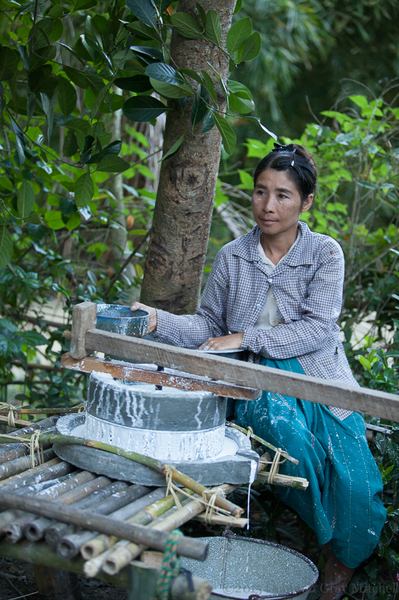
58 517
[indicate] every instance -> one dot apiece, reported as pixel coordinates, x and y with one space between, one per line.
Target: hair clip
286 149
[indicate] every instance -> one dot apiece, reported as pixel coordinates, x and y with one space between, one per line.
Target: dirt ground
17 580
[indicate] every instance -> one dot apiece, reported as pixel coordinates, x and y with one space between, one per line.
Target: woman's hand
152 320
225 342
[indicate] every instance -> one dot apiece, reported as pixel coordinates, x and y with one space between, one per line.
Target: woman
277 292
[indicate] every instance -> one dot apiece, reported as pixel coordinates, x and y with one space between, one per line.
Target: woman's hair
299 164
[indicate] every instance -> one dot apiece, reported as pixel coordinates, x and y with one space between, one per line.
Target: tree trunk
118 237
183 211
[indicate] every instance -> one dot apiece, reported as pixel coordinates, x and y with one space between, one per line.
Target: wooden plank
321 391
179 380
84 317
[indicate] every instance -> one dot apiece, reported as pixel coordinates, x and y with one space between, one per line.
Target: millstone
180 428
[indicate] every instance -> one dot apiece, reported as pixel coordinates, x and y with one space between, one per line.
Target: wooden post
84 317
54 584
143 580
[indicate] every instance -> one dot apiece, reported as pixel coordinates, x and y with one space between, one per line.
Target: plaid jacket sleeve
190 331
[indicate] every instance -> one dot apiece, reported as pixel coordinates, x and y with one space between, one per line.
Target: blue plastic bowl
122 320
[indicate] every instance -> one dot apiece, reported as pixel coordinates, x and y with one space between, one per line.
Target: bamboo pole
121 556
84 518
21 464
147 511
299 483
69 544
152 463
15 531
35 528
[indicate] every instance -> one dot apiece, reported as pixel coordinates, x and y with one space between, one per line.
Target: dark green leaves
112 164
240 98
213 30
5 245
228 136
66 96
25 200
238 34
8 63
84 190
187 24
144 11
136 83
242 44
174 148
143 108
167 81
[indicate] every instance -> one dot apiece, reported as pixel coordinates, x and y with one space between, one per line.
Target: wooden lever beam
183 381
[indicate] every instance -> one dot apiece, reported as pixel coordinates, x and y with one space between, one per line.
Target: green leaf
53 219
113 164
143 108
163 73
42 80
143 31
365 363
25 199
238 34
200 105
6 184
6 249
49 112
210 86
66 96
99 100
77 77
250 49
79 125
213 29
144 11
228 136
169 90
147 51
113 148
193 74
136 83
73 221
265 129
241 105
237 6
30 105
174 148
8 63
83 5
187 24
20 143
201 12
33 338
84 190
208 122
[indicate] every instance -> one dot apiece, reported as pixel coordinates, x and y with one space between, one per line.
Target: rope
34 445
170 565
209 503
275 465
171 487
12 413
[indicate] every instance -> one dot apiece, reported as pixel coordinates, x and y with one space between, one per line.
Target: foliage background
77 200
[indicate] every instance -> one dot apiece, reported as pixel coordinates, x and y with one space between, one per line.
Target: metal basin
120 319
245 568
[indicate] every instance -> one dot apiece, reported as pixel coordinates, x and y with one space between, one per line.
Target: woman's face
277 203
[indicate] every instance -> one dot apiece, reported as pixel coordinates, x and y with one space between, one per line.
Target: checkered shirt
307 285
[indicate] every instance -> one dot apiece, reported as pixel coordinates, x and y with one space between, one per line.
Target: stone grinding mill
182 427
